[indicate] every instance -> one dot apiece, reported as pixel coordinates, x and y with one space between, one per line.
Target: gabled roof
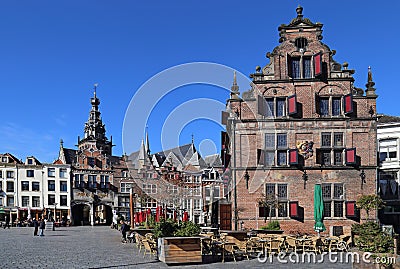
36 161
180 152
11 158
213 160
196 160
70 155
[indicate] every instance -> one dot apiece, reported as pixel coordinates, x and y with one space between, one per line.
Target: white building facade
388 134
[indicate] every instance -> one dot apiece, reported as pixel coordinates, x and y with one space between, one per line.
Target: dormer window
30 161
4 159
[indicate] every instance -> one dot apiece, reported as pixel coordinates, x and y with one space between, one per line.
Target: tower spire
147 141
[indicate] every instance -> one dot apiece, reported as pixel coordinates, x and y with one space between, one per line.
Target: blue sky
52 52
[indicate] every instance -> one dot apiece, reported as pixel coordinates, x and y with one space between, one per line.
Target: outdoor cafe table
222 245
264 242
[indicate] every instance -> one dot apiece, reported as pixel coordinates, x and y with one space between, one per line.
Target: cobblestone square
97 247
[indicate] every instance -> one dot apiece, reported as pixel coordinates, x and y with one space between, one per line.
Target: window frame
332 202
282 210
63 183
30 173
331 106
276 155
35 186
51 172
34 200
25 201
51 199
24 185
8 186
51 185
62 199
300 70
331 152
63 172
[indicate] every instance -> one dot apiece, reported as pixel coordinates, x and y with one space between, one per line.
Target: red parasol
185 216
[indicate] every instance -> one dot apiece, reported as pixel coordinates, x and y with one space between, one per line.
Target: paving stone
101 247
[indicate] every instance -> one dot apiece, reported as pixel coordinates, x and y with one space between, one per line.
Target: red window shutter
292 105
317 64
350 156
293 157
348 104
224 117
351 210
294 209
262 108
260 157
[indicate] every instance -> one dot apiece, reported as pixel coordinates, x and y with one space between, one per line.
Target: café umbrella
318 209
185 216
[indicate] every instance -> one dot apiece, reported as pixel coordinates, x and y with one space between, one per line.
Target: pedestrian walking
36 227
124 228
7 222
42 225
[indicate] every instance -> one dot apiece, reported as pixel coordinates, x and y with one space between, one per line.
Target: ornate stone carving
305 148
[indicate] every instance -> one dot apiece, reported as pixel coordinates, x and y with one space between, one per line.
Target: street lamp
246 177
305 178
362 176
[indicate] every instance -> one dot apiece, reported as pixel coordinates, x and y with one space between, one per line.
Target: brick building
302 123
94 171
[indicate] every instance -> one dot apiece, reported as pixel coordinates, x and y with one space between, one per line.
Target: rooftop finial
192 138
95 88
61 143
235 87
299 11
370 91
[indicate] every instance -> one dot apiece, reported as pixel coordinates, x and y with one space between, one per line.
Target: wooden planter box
176 250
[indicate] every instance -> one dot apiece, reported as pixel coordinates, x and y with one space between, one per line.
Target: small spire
235 87
192 139
61 143
147 141
370 91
